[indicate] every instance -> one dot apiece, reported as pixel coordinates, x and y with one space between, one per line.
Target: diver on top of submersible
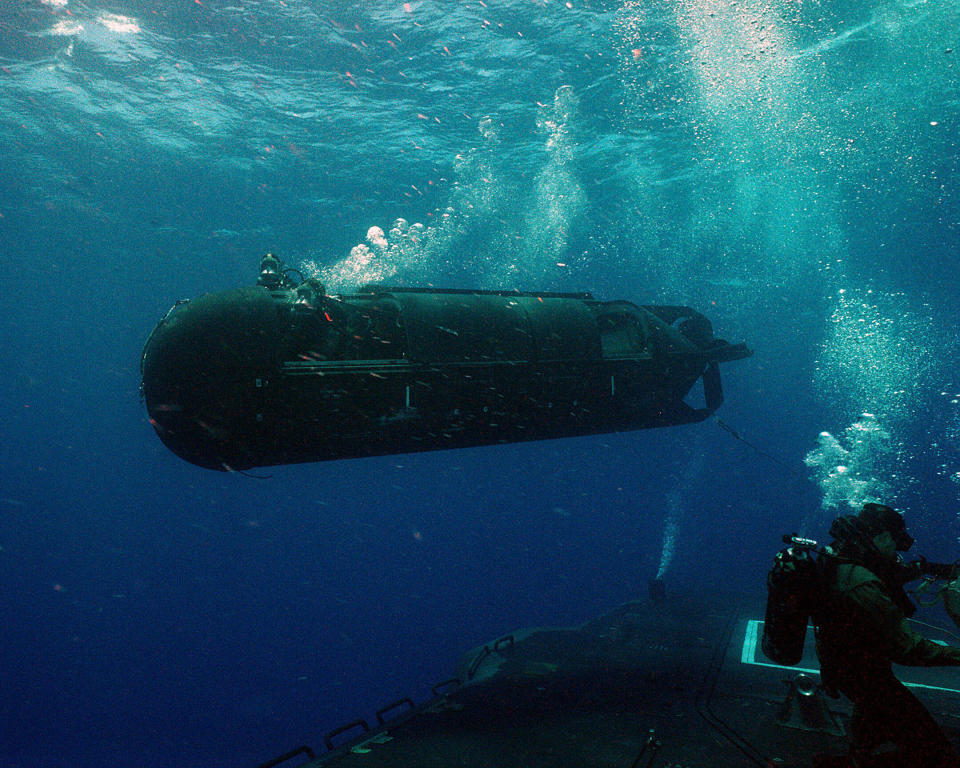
861 629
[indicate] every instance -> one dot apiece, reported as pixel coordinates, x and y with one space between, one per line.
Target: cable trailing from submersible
283 372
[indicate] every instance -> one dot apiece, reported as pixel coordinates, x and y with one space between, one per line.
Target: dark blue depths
787 168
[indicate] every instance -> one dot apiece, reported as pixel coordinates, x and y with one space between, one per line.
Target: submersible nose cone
200 373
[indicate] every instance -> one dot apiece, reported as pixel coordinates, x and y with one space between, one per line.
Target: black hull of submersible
255 377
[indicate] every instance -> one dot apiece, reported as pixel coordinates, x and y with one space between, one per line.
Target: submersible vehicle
282 372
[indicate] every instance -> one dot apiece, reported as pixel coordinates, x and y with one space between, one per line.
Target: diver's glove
921 568
951 600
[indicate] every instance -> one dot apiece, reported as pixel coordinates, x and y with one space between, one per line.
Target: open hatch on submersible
281 372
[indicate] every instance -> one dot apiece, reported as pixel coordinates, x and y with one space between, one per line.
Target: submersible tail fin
712 388
703 349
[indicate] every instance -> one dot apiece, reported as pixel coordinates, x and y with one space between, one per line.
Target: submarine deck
677 684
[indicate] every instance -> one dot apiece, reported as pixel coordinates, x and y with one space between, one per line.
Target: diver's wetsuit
861 630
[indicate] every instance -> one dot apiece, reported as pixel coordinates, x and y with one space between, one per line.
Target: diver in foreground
861 629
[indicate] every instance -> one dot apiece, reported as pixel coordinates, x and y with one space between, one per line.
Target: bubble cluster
848 469
876 354
558 197
492 234
948 449
670 531
725 78
676 500
379 259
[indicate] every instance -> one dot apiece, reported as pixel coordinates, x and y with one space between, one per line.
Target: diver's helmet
878 518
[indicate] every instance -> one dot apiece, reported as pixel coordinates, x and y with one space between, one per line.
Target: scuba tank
793 586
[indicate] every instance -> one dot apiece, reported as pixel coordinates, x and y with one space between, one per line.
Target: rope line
736 435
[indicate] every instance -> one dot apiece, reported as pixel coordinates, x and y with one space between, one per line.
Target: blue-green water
787 167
